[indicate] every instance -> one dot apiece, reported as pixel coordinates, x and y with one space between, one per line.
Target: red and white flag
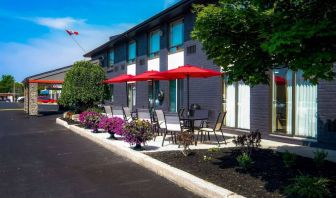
70 32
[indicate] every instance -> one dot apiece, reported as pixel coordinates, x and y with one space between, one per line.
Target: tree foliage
83 86
248 38
6 84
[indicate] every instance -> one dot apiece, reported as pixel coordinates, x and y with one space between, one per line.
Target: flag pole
70 33
77 43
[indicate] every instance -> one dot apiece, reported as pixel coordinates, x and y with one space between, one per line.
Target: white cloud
168 3
58 23
55 49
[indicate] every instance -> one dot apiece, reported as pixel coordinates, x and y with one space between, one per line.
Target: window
154 44
111 58
131 52
236 104
294 104
176 36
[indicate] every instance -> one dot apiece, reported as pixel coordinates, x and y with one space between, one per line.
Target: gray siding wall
260 109
327 112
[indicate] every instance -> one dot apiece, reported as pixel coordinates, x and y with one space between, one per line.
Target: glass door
131 95
282 101
176 90
236 103
294 105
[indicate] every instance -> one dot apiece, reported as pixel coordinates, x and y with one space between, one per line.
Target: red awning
280 80
47 81
120 79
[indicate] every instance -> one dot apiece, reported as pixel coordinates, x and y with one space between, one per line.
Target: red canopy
189 71
120 79
47 81
149 75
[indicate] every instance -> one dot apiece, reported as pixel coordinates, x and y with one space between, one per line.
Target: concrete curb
179 177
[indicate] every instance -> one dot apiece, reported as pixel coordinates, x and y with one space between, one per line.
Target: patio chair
200 123
127 114
161 122
173 125
108 110
143 114
118 112
217 127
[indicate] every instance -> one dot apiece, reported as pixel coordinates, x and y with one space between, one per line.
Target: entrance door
175 95
131 95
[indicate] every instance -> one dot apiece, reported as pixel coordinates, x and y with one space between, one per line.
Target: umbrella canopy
280 80
120 79
189 71
149 75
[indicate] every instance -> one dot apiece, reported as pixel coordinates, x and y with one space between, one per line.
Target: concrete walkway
38 158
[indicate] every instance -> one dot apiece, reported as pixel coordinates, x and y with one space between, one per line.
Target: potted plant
90 120
185 139
138 132
112 125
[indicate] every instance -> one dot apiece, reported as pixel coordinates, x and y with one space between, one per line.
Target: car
20 99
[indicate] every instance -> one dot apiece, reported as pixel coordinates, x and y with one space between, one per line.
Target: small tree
83 86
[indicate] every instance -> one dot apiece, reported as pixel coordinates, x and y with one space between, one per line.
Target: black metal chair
217 127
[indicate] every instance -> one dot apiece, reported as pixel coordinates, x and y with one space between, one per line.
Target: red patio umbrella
152 76
123 78
188 71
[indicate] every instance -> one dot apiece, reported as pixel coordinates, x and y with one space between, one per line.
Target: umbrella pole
188 95
126 94
153 95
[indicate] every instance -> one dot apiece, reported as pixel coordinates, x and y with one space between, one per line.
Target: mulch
266 178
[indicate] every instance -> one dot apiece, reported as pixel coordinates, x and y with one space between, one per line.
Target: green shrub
95 109
207 158
214 150
244 160
319 157
289 159
308 187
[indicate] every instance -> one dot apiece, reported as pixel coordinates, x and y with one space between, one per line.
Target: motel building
290 109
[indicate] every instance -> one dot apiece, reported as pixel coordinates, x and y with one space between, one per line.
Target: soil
266 178
70 121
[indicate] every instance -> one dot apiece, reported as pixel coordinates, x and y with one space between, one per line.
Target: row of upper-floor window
176 39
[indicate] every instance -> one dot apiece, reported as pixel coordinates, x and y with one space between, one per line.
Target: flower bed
267 177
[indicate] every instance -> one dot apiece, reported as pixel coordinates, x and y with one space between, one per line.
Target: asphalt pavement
41 159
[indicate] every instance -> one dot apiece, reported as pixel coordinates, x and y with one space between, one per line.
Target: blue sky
32 36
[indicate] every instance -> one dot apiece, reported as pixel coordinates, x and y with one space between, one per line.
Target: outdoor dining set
171 123
167 123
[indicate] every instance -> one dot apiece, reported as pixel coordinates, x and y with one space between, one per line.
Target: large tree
6 83
83 86
251 37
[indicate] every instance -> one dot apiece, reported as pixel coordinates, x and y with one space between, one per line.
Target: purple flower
137 132
112 125
90 119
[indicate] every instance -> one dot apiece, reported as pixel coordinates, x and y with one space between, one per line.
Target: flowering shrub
90 120
137 132
112 125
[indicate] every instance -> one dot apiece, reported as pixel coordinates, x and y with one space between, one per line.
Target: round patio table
191 120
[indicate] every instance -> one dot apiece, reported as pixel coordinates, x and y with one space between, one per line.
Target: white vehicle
20 99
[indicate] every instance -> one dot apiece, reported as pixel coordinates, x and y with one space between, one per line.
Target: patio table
191 120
